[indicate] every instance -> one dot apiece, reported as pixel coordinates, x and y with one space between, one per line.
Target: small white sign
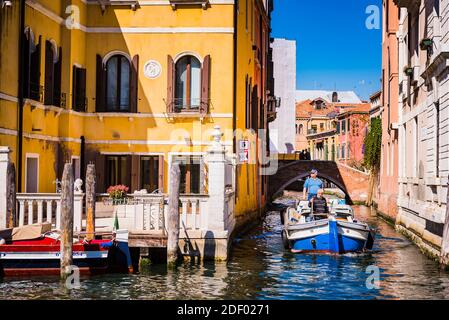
244 151
152 69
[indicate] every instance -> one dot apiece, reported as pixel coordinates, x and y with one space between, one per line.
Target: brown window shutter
35 72
26 56
255 109
170 84
74 88
205 86
161 174
101 86
134 84
135 174
57 80
79 89
81 86
49 73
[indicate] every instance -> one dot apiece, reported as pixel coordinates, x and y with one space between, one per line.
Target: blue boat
337 232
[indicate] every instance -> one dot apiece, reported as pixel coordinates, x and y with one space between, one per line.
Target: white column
4 160
78 211
216 160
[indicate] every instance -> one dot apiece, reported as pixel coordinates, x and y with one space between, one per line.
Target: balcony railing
180 107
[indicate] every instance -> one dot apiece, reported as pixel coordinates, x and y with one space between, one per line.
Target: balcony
176 3
273 104
134 4
193 108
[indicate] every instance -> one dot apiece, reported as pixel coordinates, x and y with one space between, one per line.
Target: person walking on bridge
312 185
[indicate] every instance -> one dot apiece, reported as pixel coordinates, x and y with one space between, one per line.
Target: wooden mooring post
173 216
67 200
444 257
11 196
91 185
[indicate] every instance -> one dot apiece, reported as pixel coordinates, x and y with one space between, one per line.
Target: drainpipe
20 96
234 107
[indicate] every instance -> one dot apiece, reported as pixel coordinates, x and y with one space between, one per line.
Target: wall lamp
6 4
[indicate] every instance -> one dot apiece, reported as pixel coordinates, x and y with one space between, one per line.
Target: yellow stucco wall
149 131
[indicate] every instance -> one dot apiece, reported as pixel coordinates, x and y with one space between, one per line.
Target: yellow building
133 86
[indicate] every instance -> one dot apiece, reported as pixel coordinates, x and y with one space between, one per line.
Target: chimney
335 97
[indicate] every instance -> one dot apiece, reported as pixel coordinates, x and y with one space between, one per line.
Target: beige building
423 121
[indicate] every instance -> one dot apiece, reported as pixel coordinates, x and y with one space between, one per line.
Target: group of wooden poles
67 211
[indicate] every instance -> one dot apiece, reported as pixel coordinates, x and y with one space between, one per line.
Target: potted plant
426 43
117 193
408 71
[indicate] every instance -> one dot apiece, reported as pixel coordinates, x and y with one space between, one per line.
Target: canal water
261 269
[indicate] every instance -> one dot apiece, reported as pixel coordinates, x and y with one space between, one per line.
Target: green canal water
261 269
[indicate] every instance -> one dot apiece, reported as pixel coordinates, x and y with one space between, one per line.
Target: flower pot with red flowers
117 193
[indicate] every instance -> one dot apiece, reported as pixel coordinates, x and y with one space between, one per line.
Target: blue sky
334 47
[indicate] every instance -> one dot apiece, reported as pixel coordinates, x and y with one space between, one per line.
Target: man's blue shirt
313 185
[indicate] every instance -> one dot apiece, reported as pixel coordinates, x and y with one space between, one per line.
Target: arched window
118 74
187 84
300 129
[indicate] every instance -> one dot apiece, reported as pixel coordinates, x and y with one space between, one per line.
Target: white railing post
49 209
184 204
4 186
58 215
78 211
21 212
30 211
216 156
40 205
193 218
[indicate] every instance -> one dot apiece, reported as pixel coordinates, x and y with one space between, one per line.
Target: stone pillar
4 186
216 161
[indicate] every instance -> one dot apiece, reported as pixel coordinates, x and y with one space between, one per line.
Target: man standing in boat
312 185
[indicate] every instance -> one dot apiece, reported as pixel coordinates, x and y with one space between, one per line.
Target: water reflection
261 269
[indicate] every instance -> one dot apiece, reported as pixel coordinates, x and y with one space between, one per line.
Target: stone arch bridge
352 182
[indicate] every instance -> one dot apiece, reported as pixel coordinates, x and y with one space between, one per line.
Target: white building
282 130
328 96
423 120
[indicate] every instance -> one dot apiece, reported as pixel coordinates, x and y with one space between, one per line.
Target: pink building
388 177
352 127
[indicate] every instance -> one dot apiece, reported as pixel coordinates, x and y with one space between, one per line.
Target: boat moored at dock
35 250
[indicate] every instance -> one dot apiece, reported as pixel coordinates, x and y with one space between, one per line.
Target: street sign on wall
243 151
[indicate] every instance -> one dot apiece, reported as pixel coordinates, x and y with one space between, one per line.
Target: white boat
335 232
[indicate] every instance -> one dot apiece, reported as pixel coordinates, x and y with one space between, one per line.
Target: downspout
234 107
20 97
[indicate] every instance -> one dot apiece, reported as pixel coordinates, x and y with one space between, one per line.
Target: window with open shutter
118 79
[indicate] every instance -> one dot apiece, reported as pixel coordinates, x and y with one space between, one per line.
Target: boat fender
2 241
107 244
